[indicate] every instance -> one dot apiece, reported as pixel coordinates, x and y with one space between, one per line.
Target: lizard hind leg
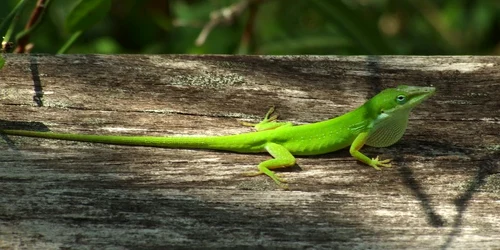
282 159
269 121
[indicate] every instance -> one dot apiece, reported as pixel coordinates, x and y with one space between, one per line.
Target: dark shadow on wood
32 126
373 65
406 173
37 83
9 142
416 147
486 167
461 202
428 148
35 126
291 169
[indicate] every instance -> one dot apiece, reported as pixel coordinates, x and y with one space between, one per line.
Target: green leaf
2 62
7 21
86 14
352 23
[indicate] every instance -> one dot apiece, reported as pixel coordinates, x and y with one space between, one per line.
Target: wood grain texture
443 193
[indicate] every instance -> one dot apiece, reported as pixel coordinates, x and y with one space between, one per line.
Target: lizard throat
387 131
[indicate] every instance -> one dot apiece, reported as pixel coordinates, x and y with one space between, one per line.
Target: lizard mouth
421 94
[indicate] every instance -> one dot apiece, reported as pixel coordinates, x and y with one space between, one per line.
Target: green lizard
380 122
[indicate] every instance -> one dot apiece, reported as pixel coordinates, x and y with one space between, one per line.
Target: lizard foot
376 163
269 121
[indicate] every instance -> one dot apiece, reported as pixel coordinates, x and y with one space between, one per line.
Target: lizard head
401 99
390 110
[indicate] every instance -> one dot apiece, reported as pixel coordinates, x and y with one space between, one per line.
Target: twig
247 36
225 15
23 45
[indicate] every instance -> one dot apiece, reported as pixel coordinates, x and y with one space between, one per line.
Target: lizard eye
401 99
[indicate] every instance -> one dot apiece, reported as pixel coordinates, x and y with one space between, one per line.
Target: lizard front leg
357 144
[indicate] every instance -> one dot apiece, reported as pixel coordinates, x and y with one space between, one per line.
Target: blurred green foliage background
419 27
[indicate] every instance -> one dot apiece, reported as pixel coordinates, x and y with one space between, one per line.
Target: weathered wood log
444 191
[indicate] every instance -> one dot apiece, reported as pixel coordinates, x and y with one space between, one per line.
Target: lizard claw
280 178
270 113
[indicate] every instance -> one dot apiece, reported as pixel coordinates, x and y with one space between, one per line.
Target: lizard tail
234 143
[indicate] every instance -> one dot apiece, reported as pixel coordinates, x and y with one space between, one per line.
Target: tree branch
23 44
226 15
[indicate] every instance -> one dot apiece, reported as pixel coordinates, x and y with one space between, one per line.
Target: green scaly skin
380 122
